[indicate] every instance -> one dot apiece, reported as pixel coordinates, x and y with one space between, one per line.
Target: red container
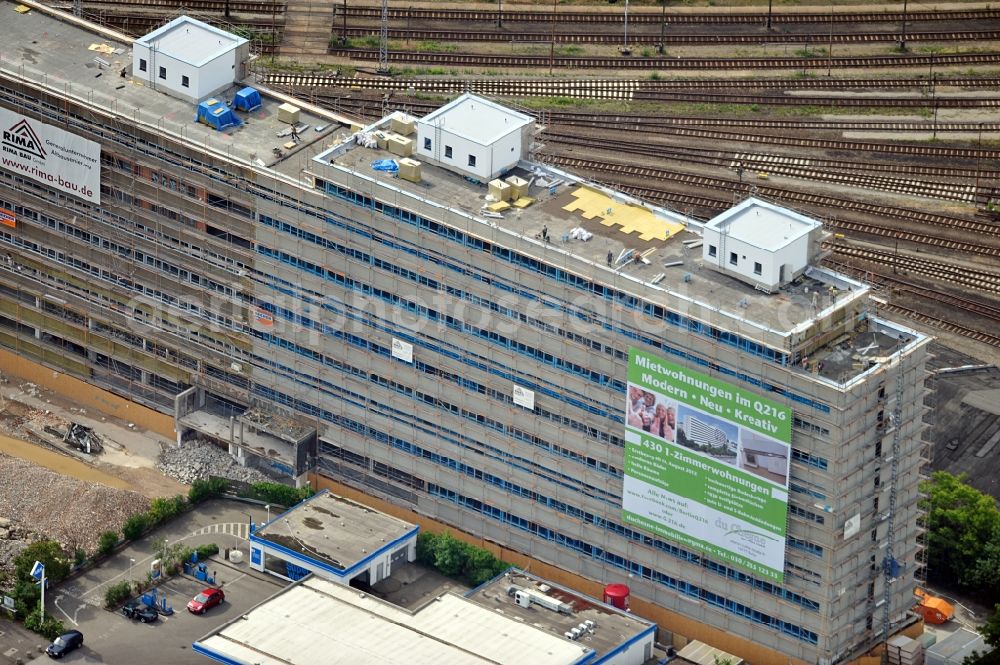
617 595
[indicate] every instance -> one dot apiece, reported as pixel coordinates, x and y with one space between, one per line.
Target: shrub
79 557
106 542
117 593
283 495
202 490
457 559
50 628
205 551
135 526
162 509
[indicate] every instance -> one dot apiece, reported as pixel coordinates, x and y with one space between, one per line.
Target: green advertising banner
706 464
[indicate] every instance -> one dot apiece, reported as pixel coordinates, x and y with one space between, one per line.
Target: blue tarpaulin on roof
387 165
216 114
247 99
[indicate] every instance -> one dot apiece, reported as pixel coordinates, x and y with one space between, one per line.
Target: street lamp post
268 509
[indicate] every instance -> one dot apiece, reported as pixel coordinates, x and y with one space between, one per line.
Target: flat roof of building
190 41
317 621
762 224
611 627
476 119
616 222
333 530
54 52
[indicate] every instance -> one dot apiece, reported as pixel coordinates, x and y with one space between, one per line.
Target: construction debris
197 459
36 502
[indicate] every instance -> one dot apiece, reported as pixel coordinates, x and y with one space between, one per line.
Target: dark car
139 612
65 643
206 599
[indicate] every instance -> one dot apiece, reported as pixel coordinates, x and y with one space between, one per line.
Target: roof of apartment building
570 221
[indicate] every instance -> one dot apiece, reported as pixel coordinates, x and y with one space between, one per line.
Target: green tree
50 553
135 526
985 573
162 508
450 555
202 490
481 566
961 520
991 629
106 542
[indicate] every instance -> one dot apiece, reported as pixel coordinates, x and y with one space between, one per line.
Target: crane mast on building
383 39
889 566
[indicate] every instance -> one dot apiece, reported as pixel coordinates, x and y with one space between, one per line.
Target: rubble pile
36 502
197 459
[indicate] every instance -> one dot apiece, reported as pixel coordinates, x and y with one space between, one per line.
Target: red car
206 599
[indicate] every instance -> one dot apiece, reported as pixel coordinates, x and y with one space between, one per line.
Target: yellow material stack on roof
593 204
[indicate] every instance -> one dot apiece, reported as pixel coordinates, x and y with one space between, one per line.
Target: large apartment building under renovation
417 309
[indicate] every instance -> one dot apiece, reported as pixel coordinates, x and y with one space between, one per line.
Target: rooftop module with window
474 137
190 59
761 244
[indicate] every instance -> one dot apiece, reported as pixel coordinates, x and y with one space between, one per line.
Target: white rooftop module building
190 59
475 137
761 243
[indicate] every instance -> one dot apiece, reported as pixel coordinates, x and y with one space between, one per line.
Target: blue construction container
215 113
247 99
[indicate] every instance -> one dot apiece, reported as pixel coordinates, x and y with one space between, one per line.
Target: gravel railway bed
642 122
783 196
494 61
641 39
532 87
640 16
235 6
932 151
858 174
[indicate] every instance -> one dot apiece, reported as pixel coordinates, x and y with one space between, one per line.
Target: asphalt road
111 638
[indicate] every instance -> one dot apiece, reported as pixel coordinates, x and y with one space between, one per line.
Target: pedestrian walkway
308 27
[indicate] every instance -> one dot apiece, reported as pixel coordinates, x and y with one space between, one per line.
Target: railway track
860 147
641 16
939 323
676 39
235 6
843 172
612 88
964 276
624 121
495 61
784 196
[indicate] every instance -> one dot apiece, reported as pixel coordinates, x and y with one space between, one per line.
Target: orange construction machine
933 609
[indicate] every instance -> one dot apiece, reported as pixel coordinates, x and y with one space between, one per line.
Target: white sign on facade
524 397
51 156
852 525
402 350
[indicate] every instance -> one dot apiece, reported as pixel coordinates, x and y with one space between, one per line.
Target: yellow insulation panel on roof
592 204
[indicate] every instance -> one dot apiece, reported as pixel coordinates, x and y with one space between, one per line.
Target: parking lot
110 637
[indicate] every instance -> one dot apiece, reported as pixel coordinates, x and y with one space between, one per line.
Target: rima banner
50 156
706 464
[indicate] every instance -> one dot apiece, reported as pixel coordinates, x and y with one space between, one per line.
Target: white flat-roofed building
190 59
322 623
475 137
761 243
334 538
